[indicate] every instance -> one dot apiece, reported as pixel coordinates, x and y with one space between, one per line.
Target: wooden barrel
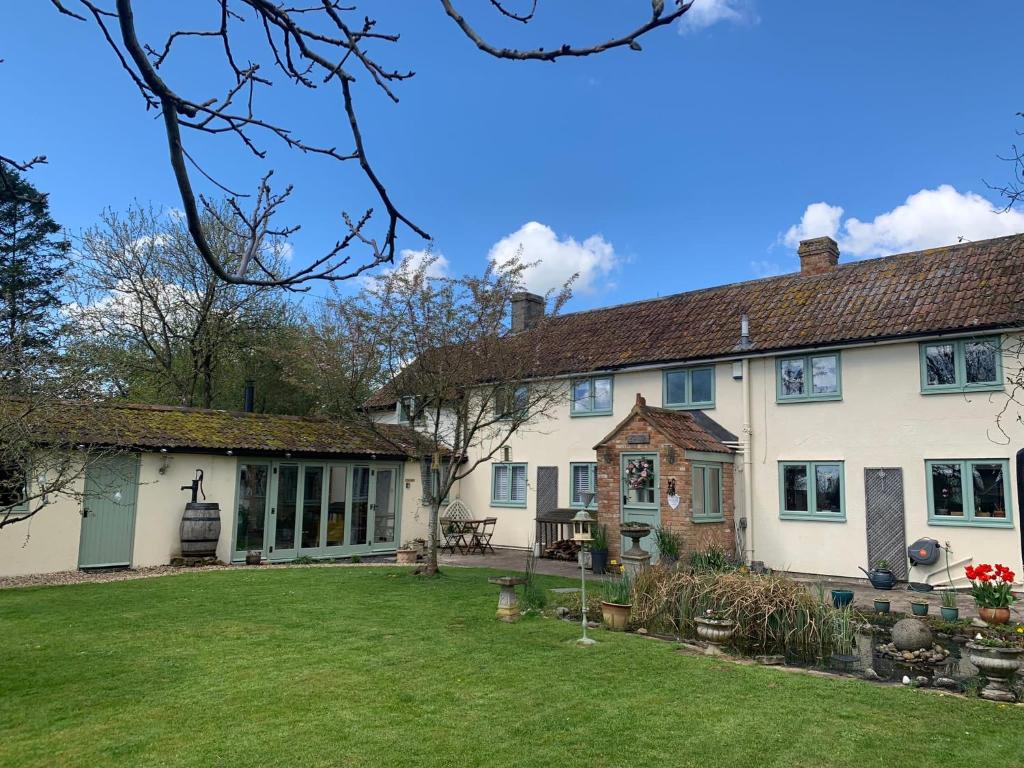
200 529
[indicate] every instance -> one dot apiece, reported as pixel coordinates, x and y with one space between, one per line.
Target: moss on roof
128 425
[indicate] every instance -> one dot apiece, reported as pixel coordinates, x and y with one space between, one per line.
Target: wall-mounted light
165 461
737 369
231 453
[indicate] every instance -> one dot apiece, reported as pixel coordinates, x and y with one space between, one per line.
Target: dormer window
406 410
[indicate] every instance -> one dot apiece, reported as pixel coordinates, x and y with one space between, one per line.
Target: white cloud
416 258
926 219
706 13
557 260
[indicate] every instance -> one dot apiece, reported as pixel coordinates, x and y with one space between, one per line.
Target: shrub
619 591
534 596
304 560
600 541
710 557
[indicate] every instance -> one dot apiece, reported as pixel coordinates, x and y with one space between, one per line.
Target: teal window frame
591 397
21 508
501 401
967 489
591 467
689 404
406 413
812 490
806 395
509 502
960 366
704 467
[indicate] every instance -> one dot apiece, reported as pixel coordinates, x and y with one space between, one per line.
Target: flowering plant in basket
991 585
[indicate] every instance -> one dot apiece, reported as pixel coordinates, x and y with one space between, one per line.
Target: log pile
566 549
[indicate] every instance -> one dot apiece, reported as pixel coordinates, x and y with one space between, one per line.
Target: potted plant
714 627
991 590
998 656
881 605
881 576
842 597
949 609
919 607
407 555
669 543
599 549
617 602
253 557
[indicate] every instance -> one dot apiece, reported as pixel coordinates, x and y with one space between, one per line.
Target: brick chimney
818 255
527 309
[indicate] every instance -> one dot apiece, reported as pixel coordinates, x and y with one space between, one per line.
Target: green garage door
108 512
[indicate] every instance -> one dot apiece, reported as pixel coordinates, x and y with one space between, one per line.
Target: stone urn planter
998 665
253 557
616 615
636 558
715 632
407 556
994 615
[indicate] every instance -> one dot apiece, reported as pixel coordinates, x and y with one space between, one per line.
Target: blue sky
692 163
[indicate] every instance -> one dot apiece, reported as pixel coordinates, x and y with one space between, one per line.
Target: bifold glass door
294 509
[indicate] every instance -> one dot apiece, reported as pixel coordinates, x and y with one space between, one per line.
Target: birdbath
508 602
636 558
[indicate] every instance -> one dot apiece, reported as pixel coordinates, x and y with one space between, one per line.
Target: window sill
689 407
586 414
509 504
702 520
809 399
972 522
958 390
810 516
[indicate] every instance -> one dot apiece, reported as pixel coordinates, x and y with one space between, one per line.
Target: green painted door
382 507
640 496
108 512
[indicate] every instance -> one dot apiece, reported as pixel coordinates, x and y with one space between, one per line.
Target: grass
372 666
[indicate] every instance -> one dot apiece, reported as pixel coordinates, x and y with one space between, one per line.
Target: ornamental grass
774 615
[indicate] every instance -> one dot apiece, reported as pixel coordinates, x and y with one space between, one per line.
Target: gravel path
128 574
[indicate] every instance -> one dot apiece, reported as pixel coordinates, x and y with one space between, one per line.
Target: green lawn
375 667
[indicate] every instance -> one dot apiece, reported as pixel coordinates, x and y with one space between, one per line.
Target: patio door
639 482
284 512
108 512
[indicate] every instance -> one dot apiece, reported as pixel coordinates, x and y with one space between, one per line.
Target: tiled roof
970 286
128 425
690 430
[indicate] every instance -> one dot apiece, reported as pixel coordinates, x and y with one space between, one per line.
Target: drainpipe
748 463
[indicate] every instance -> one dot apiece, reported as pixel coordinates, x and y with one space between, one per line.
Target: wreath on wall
638 472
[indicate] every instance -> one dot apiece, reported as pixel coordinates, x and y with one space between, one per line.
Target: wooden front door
108 512
640 497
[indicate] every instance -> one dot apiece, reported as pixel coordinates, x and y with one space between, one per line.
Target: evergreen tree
33 261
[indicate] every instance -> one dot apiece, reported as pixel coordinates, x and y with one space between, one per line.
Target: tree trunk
430 568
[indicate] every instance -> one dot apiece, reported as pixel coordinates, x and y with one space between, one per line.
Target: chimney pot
527 310
818 255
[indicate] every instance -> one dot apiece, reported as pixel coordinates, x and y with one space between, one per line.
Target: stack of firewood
567 549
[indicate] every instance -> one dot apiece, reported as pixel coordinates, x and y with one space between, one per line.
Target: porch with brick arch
682 451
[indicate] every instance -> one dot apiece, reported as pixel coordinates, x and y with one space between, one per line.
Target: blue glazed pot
881 606
919 609
842 597
949 614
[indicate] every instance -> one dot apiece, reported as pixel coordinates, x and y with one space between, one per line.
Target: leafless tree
322 44
1012 191
465 382
150 314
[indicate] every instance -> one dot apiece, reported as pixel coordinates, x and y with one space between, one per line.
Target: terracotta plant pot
616 615
994 615
407 556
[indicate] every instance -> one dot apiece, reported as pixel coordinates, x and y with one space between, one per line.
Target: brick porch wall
696 536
